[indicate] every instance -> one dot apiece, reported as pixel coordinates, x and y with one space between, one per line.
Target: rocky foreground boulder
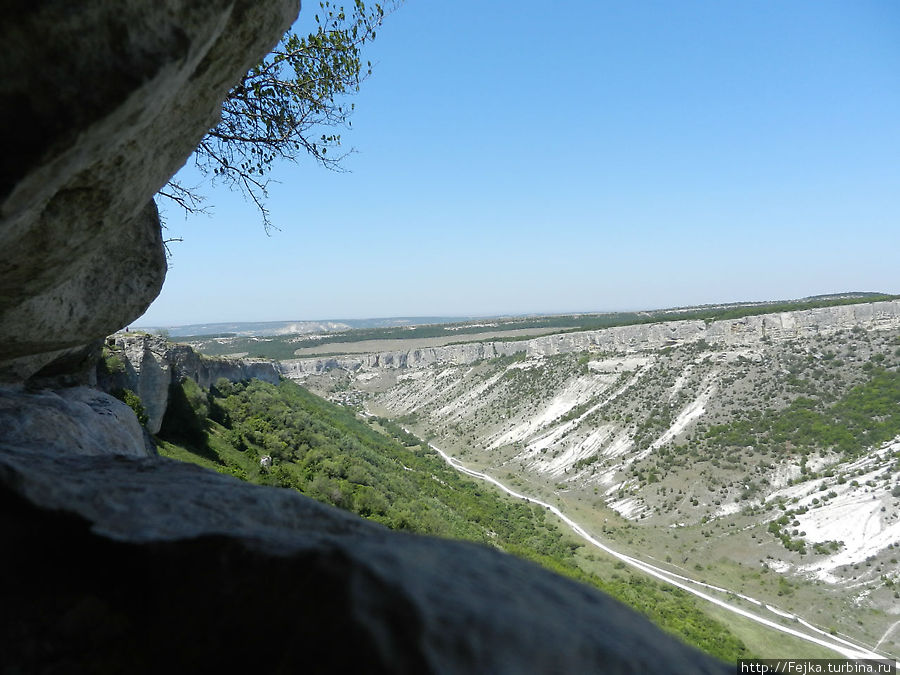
116 560
151 562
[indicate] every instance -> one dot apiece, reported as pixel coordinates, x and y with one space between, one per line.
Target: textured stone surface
746 331
80 420
167 563
107 100
205 370
148 374
152 364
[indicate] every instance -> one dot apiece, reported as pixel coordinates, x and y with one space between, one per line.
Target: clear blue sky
517 157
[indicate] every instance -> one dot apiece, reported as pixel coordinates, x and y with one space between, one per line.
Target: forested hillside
284 435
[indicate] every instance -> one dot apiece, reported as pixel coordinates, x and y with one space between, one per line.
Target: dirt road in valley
844 647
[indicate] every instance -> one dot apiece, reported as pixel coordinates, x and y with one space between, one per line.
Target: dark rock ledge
136 564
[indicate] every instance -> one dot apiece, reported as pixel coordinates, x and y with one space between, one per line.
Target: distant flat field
371 346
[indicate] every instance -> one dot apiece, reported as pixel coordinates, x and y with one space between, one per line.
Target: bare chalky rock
747 331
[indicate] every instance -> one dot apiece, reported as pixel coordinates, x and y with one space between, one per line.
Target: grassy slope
377 470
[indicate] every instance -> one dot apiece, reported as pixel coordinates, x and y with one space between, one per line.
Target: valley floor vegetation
288 437
770 468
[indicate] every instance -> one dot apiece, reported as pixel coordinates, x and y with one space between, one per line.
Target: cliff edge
149 365
116 560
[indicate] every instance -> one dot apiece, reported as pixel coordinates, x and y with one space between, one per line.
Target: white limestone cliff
745 331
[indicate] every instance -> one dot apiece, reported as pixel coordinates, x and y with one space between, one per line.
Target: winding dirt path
844 647
886 633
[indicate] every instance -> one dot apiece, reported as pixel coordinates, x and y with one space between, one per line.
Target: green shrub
110 362
133 401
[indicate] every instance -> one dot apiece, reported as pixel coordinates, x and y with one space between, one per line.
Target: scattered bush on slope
379 471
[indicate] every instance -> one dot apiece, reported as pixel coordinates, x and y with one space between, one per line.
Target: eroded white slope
814 635
576 392
471 399
689 414
864 516
564 457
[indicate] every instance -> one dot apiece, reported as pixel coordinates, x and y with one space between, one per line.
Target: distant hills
284 340
271 328
563 320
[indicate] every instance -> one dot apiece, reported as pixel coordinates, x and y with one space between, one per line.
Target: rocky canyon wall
736 332
117 560
148 365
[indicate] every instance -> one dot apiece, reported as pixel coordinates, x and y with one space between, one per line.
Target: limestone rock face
152 364
746 331
205 370
106 101
148 373
167 563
